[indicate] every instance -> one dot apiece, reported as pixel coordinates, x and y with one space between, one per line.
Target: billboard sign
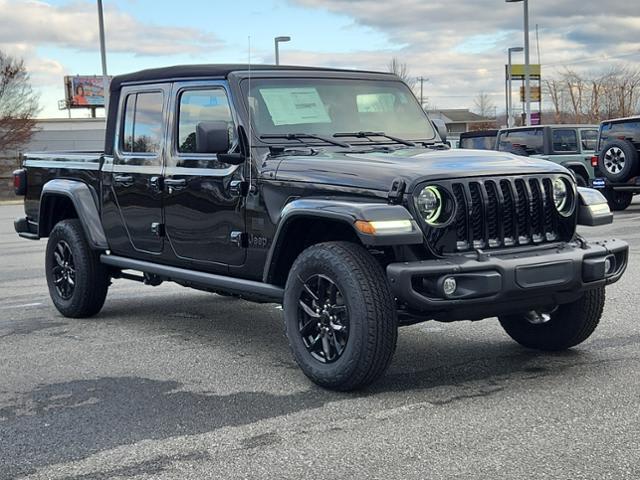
535 94
83 91
517 71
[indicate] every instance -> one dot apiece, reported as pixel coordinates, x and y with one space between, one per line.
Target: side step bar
209 280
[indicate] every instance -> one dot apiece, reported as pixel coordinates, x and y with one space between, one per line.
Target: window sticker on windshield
376 102
294 106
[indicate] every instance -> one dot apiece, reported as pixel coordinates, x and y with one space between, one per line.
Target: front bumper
25 228
489 285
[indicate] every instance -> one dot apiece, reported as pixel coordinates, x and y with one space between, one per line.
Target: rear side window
142 129
589 139
623 130
565 140
201 106
530 140
478 143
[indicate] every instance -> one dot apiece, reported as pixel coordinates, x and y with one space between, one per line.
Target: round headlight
430 204
561 196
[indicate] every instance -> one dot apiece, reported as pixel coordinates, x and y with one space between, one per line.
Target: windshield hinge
396 192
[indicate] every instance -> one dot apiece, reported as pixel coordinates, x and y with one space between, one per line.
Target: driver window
202 106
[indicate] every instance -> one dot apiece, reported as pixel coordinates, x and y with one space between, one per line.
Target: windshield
330 106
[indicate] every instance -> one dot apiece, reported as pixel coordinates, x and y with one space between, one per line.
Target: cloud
74 26
461 46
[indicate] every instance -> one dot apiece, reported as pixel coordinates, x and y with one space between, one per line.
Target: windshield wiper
301 136
374 134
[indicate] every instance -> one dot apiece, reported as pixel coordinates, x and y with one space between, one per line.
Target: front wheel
619 201
340 316
77 281
559 329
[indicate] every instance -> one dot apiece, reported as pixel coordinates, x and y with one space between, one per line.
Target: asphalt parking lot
172 383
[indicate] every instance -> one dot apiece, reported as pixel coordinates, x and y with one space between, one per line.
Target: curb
11 202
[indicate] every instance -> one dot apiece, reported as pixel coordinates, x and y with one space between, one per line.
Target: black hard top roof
212 70
551 125
480 133
623 119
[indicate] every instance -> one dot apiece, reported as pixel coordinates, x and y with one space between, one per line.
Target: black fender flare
85 205
577 167
346 212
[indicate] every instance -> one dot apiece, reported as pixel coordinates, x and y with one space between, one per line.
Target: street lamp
527 73
509 99
103 54
276 41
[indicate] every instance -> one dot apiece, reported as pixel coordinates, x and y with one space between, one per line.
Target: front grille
501 212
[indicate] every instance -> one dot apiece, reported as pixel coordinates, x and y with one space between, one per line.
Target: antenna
538 42
250 119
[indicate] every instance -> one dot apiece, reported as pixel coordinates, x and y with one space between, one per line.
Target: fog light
449 286
609 265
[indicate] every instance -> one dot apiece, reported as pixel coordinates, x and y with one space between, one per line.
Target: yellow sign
517 71
535 94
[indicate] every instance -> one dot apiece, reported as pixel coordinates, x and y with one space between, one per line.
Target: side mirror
441 128
593 208
212 137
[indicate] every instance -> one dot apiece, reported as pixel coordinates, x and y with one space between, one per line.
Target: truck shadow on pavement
66 421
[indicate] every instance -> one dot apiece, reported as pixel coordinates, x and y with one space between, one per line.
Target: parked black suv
479 140
617 163
327 191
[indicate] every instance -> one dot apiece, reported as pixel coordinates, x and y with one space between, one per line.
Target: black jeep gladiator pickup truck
328 191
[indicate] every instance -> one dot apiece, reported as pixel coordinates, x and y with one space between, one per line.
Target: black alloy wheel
63 270
323 318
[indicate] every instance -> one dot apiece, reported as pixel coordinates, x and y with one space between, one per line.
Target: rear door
203 206
136 171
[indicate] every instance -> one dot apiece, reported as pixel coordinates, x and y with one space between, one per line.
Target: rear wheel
619 201
77 281
559 329
340 316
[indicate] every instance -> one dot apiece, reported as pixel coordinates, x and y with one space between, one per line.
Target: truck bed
44 166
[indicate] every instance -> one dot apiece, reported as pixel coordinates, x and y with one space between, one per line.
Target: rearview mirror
212 137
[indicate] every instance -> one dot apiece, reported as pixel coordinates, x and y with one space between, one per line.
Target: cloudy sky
459 46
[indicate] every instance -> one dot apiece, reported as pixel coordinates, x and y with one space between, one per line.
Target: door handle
125 180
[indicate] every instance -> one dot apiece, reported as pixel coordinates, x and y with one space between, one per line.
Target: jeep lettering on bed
329 192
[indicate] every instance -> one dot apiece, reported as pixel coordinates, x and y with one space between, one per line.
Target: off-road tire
373 323
619 201
581 180
610 157
570 324
91 277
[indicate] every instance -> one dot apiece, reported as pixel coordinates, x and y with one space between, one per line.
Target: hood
377 170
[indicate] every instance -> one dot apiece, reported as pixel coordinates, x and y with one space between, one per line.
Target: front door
137 168
204 211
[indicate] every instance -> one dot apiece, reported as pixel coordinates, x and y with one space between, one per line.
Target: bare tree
484 105
593 97
401 69
18 103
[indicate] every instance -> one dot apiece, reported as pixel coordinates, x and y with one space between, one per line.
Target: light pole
509 99
527 68
422 80
276 41
103 54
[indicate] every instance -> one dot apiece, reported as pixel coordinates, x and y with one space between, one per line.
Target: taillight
20 182
594 161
